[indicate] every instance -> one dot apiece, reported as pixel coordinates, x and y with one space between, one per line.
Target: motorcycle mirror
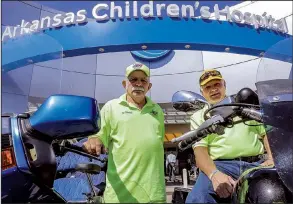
246 95
188 101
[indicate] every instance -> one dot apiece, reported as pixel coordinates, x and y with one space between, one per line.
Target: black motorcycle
271 106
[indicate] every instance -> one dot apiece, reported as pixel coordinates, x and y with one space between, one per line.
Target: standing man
170 165
222 158
132 129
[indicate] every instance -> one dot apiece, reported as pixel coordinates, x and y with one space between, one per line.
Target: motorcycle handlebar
190 137
252 114
194 136
79 150
185 136
215 124
211 125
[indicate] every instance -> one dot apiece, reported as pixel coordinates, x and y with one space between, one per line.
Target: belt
246 159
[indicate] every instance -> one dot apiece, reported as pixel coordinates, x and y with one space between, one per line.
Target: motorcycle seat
89 168
73 189
69 161
74 178
98 179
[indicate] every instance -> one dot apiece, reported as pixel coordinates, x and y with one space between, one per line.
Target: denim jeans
171 170
203 192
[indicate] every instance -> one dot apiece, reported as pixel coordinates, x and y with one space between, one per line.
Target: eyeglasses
134 80
208 74
217 85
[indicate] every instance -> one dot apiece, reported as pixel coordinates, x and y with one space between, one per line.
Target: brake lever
79 150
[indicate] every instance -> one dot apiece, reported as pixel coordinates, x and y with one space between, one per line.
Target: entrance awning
169 136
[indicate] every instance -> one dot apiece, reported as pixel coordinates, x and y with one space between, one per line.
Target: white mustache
137 88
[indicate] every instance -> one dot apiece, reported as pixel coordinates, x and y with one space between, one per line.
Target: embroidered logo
136 66
154 113
127 112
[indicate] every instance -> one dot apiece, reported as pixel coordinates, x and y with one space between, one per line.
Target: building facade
100 75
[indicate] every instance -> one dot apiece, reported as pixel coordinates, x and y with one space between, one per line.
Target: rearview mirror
188 101
66 116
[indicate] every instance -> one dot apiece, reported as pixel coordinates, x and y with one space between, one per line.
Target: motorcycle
38 163
271 106
31 143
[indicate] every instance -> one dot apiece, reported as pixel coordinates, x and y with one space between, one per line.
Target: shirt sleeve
259 129
162 124
195 121
104 125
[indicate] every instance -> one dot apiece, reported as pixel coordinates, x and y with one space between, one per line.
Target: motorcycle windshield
274 88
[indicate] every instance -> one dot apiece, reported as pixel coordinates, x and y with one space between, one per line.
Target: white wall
100 75
278 10
240 70
176 72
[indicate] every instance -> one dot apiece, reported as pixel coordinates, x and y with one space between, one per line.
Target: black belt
246 159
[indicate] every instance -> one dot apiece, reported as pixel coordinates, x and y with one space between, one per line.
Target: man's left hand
268 162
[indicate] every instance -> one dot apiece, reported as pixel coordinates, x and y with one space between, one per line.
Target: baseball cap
137 66
209 75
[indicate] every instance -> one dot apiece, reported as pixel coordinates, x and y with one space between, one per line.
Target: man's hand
269 161
93 146
223 184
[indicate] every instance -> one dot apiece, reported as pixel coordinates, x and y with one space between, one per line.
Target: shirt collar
122 100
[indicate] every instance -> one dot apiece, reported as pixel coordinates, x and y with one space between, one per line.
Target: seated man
222 158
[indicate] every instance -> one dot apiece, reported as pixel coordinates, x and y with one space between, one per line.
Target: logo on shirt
126 112
154 113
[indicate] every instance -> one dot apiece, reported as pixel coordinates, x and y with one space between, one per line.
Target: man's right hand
93 146
223 184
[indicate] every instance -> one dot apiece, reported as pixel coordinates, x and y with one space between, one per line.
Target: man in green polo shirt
222 158
132 129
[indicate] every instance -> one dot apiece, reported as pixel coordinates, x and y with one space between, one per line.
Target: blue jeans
203 192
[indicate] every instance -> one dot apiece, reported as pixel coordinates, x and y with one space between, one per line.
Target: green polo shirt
238 141
134 139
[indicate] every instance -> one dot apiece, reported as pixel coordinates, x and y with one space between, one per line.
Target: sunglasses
208 74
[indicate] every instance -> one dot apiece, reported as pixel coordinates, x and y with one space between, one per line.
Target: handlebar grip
252 114
185 143
81 151
69 145
185 136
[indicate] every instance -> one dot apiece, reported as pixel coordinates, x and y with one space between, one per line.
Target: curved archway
137 34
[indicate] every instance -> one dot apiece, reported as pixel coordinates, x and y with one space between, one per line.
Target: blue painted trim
130 35
8 172
151 55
